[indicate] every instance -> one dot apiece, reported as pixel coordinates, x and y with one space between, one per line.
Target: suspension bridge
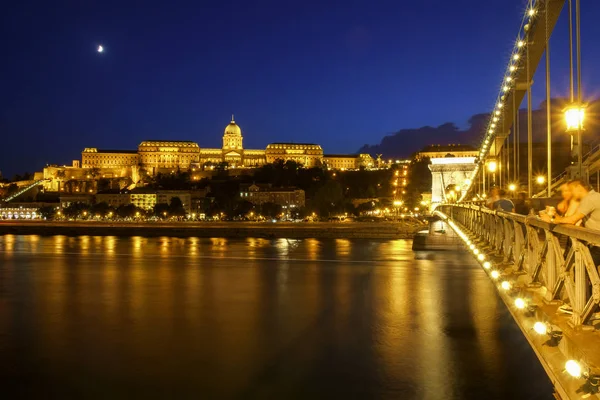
544 272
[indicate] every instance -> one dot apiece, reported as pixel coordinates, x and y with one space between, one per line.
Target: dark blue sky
339 73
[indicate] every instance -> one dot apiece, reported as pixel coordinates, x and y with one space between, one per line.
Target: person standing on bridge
588 212
503 204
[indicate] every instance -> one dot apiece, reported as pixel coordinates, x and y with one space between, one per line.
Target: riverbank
346 230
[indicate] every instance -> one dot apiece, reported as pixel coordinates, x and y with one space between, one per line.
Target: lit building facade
261 194
167 156
307 154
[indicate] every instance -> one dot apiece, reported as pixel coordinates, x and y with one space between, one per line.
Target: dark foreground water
104 317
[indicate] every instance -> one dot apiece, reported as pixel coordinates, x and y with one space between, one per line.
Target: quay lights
495 274
573 368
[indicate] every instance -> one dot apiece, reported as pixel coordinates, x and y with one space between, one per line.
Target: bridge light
520 303
506 88
512 68
531 12
508 79
512 187
516 57
493 125
495 274
573 368
498 112
481 257
499 105
520 43
475 251
574 116
491 132
492 166
540 328
471 246
540 179
487 265
467 181
506 285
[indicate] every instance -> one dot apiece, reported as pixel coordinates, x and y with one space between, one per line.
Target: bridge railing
557 257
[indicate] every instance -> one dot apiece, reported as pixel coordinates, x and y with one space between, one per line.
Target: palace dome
233 129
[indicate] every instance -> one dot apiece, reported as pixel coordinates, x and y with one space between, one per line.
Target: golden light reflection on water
312 245
59 243
431 292
136 246
297 307
342 248
84 244
9 243
109 245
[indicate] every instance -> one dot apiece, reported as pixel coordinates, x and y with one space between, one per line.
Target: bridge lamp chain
542 328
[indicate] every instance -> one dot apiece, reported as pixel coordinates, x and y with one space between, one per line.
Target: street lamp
540 179
574 117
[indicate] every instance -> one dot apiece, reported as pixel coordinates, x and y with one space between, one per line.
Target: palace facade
156 156
165 155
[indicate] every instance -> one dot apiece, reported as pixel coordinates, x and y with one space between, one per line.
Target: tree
328 198
162 210
76 210
127 211
94 172
47 212
176 207
101 209
271 210
243 208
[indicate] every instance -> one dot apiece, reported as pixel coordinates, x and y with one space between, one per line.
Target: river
107 317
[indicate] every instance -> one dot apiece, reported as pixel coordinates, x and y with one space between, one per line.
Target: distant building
260 194
451 150
348 161
307 154
168 156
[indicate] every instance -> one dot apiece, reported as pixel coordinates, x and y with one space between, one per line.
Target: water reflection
253 318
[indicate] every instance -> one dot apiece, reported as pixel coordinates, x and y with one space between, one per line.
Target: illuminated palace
155 156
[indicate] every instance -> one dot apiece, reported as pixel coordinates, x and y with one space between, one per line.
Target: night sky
338 73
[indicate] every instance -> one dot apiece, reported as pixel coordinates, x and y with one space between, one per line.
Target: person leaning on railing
588 212
522 205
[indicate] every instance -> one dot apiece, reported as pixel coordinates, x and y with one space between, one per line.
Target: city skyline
340 77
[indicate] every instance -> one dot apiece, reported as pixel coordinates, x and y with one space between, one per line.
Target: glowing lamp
512 187
540 328
505 285
573 368
495 274
492 166
520 303
540 179
574 116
